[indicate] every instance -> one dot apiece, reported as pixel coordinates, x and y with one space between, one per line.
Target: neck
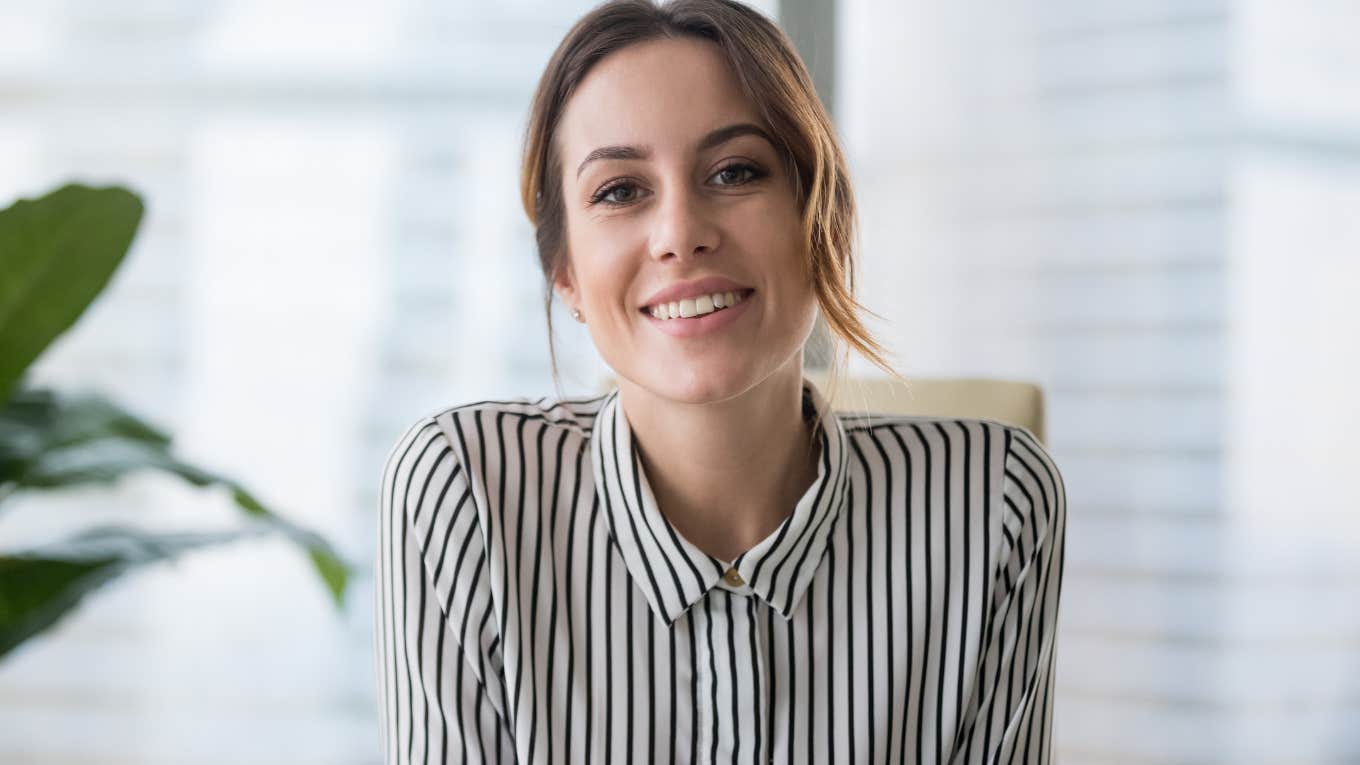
755 460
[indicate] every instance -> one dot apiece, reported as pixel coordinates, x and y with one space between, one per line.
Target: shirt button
733 578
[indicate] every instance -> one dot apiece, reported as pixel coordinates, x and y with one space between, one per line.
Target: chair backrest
1008 401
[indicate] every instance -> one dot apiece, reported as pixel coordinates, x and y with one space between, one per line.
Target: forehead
665 93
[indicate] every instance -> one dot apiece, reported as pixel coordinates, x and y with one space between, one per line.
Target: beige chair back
1011 402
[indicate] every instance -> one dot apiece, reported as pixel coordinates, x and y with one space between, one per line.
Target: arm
440 694
1010 714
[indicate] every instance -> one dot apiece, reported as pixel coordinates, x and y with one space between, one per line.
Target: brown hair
775 80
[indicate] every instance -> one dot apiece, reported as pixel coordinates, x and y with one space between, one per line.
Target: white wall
1292 409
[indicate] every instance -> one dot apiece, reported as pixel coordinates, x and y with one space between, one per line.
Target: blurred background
1149 207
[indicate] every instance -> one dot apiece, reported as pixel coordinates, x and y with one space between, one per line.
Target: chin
696 387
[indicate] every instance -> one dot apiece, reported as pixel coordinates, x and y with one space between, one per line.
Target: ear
565 284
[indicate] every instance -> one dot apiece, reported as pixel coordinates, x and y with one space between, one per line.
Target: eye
735 170
603 195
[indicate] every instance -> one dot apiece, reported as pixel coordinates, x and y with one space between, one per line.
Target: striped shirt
534 605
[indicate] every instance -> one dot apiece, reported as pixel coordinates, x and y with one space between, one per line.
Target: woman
730 571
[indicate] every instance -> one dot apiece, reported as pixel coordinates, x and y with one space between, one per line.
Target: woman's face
660 193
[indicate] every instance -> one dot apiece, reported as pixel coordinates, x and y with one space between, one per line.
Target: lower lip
701 325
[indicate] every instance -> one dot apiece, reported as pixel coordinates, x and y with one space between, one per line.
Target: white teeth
696 306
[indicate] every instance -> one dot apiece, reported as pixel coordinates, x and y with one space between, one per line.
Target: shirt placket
736 719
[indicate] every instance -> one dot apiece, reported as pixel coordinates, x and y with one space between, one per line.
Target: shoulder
976 435
1033 484
480 439
1000 448
471 424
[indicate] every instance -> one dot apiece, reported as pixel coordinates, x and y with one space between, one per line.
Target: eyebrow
716 138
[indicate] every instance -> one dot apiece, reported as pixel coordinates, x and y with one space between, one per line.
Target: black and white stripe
533 605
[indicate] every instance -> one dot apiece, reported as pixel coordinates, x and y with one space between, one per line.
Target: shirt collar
670 570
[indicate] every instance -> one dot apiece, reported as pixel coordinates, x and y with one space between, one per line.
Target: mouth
694 308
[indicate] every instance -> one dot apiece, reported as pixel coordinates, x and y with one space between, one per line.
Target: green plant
57 253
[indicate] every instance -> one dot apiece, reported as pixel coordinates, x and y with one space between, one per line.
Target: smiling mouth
696 307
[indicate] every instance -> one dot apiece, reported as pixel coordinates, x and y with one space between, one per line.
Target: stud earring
576 314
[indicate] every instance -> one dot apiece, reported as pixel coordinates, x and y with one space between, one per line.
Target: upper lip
681 290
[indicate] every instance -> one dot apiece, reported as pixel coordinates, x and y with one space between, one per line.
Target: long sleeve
441 697
1010 715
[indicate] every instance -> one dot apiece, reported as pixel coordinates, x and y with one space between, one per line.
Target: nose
683 227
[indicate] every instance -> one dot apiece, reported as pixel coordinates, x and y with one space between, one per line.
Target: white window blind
1148 208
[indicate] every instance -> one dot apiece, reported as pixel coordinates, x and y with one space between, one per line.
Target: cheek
602 278
585 260
604 262
773 233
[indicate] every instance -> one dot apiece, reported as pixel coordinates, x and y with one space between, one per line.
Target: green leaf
37 422
330 566
52 441
40 587
57 253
